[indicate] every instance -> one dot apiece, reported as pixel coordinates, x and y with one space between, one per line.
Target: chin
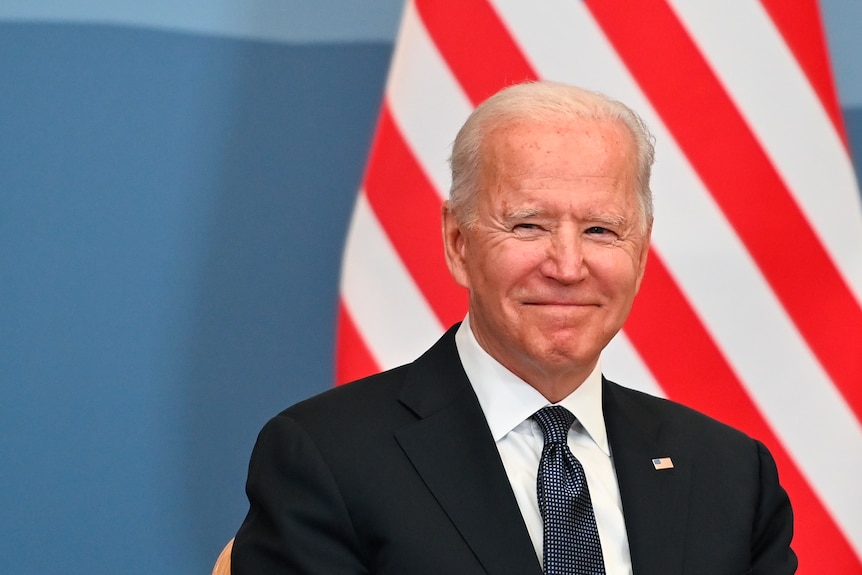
564 353
573 344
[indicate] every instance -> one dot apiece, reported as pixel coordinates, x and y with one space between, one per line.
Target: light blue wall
301 21
175 184
842 19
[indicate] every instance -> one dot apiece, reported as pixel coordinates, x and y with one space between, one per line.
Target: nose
564 258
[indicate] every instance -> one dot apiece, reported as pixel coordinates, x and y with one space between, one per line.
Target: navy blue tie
571 538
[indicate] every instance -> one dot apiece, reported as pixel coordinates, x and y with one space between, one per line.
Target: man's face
558 248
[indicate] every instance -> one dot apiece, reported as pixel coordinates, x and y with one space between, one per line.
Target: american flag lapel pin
662 463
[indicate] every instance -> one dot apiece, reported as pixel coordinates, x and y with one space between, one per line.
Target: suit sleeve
773 530
298 522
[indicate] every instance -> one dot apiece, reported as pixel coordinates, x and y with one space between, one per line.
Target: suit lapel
447 445
655 502
450 440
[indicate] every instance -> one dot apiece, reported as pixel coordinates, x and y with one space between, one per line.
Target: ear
642 258
454 246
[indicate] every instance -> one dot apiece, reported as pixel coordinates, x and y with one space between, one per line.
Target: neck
556 385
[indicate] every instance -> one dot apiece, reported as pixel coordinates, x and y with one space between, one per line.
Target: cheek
519 258
512 269
495 272
619 274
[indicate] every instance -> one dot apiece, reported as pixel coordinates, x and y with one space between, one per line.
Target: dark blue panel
172 212
853 123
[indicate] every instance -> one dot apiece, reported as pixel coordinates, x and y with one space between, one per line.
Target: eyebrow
607 219
524 213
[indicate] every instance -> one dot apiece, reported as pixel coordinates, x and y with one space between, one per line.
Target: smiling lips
555 303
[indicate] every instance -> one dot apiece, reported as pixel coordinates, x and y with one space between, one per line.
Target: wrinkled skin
557 251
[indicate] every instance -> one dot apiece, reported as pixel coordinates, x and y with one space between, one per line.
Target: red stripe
408 208
802 29
730 161
352 358
698 375
475 45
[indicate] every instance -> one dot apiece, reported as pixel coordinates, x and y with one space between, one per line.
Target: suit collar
507 400
447 444
655 502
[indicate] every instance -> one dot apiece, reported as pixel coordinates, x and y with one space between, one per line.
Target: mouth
563 304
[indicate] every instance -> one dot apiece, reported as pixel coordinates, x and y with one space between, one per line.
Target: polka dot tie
571 539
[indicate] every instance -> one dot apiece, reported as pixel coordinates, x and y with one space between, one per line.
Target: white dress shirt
508 403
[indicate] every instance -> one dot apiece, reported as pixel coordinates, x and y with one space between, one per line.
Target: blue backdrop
175 185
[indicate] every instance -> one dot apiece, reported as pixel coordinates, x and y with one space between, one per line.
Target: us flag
751 309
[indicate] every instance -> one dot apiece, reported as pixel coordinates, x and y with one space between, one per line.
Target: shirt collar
507 400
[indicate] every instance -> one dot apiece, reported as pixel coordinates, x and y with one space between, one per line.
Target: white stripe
771 91
622 364
388 309
713 268
426 100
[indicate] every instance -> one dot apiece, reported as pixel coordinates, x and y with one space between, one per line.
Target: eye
601 234
527 230
598 230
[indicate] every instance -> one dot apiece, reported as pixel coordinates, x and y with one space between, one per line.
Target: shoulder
391 397
671 418
361 394
347 409
717 455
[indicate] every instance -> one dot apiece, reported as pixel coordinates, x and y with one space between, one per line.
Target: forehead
565 134
568 154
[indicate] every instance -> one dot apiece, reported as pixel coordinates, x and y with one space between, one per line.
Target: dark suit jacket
398 474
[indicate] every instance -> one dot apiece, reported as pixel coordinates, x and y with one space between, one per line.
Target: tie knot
555 421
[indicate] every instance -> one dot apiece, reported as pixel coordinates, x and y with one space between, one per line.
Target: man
447 465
